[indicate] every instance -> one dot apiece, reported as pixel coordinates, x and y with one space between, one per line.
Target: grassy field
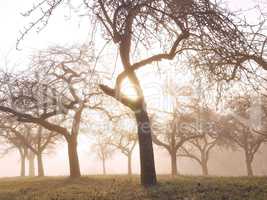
125 188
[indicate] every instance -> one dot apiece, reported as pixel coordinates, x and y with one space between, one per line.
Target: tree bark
174 171
129 164
40 165
73 158
148 172
31 165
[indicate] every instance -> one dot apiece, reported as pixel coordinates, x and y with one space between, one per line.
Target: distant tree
103 150
199 148
13 142
34 139
172 129
41 140
238 127
124 138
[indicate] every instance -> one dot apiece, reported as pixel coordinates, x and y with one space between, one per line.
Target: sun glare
129 89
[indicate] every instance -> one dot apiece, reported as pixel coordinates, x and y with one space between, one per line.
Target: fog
222 163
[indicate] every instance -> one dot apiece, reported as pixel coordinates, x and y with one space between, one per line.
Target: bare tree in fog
172 129
199 148
60 83
102 149
12 142
34 139
238 127
124 138
42 140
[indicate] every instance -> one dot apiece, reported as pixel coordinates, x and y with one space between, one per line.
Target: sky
67 30
62 29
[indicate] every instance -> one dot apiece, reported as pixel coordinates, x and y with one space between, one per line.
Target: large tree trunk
73 158
40 165
22 165
31 165
129 164
148 172
174 171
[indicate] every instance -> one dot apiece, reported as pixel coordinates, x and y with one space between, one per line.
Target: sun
129 89
154 85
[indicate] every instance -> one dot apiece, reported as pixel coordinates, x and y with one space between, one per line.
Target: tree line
192 128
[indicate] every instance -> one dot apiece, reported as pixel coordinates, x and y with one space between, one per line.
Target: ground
125 188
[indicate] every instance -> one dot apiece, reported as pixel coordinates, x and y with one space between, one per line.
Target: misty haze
133 99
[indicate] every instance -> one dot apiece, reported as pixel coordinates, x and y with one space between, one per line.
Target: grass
125 188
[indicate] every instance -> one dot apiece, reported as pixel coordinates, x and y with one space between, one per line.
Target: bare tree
61 84
173 128
238 128
42 140
199 148
12 142
103 150
124 138
34 139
